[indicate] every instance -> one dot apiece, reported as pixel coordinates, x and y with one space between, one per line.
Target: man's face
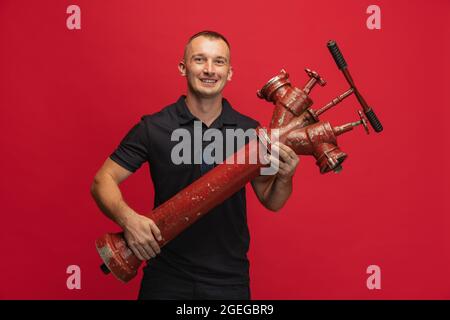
206 66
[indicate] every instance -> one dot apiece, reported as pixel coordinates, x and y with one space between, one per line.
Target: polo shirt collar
227 116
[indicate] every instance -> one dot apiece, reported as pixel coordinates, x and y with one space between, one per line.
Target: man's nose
209 68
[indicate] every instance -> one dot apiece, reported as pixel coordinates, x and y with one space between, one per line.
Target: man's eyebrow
202 55
220 57
197 55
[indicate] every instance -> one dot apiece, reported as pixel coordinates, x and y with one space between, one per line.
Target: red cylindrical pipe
186 207
205 193
298 128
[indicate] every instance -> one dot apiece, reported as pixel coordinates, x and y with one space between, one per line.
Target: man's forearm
277 193
109 199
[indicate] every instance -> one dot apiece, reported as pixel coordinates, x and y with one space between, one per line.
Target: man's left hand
287 161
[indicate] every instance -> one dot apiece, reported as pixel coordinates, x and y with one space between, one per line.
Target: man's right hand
140 234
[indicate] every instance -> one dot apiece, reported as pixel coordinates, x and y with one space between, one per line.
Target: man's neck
205 109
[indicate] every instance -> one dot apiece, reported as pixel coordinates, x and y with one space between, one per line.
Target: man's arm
273 191
139 231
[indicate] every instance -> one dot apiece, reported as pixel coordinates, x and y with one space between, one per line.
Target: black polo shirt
214 249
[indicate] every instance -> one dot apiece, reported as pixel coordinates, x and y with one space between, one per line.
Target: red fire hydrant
296 124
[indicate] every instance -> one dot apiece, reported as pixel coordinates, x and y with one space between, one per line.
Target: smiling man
209 259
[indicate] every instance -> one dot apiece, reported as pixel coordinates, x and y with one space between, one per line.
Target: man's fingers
154 245
281 152
155 231
148 249
288 151
277 164
280 163
140 237
143 252
274 161
137 252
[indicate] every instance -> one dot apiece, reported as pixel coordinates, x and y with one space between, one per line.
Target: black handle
373 119
337 55
105 269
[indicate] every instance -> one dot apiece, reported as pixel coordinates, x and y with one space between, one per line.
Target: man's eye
198 59
220 62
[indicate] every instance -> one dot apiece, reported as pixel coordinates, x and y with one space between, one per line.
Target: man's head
206 64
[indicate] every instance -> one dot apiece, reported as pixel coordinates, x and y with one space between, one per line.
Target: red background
67 97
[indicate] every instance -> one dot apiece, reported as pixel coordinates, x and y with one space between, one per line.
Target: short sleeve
133 150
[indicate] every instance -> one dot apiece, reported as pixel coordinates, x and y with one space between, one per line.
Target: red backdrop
67 97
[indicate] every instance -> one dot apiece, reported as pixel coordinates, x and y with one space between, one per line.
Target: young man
209 259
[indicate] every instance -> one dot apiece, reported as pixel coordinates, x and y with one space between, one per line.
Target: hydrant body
293 123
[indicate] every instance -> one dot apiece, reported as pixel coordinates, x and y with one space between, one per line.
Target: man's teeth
209 81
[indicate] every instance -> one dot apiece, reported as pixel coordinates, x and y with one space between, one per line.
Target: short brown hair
208 34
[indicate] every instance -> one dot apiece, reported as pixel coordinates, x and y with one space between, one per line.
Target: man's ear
230 73
182 68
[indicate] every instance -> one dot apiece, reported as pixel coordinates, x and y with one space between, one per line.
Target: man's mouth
208 81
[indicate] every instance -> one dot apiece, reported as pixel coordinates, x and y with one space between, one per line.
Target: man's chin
208 94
